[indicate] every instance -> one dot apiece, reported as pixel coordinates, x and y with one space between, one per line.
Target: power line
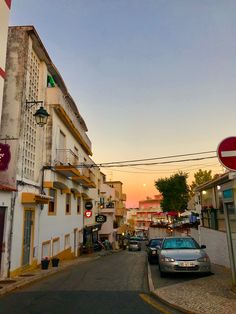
154 163
155 158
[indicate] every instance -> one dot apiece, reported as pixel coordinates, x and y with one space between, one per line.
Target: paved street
171 279
116 283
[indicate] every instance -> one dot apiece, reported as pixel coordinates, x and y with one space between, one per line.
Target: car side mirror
203 246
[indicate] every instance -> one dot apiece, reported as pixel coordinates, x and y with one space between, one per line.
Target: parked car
134 245
183 254
153 248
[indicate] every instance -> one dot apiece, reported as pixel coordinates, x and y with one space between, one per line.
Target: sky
151 78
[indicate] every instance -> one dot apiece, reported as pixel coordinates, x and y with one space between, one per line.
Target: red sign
5 156
88 213
226 152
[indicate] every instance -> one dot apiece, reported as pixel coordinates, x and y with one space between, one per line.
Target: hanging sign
101 218
88 213
5 156
88 205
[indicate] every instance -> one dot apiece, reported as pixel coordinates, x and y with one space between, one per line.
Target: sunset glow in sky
151 78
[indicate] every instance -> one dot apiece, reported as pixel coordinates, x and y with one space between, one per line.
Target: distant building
147 210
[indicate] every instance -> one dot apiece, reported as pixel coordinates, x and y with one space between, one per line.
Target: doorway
2 222
27 240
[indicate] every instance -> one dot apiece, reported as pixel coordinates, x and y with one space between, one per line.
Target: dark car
152 250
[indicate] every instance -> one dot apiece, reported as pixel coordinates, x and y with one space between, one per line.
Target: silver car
183 254
134 245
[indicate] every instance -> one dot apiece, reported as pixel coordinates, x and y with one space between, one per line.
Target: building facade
5 6
146 212
51 167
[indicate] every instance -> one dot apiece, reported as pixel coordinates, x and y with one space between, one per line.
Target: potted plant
55 261
45 263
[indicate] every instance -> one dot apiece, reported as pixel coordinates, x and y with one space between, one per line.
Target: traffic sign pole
226 153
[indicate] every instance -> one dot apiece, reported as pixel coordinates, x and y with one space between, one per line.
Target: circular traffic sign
88 213
226 153
88 205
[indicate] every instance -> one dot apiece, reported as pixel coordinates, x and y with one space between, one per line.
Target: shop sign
88 205
88 214
5 156
101 218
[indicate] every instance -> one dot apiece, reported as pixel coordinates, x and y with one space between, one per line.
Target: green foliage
175 192
201 176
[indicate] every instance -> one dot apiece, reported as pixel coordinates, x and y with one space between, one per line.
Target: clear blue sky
150 77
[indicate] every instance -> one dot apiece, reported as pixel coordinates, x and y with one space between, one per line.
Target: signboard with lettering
88 205
101 218
5 156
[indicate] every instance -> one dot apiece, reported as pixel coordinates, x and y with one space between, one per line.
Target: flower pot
45 264
55 262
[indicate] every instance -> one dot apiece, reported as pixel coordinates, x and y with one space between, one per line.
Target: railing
55 97
66 156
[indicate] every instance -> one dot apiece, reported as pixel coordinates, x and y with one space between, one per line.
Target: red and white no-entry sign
226 152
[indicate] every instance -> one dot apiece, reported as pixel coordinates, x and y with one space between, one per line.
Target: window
55 246
52 202
68 203
78 205
67 241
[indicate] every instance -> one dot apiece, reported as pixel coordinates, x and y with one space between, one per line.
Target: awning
75 192
7 188
32 198
173 214
85 196
55 184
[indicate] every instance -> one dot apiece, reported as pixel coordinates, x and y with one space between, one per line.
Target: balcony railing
65 157
55 97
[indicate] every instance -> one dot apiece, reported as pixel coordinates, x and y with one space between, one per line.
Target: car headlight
203 259
167 259
154 252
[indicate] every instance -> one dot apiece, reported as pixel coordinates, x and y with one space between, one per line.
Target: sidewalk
210 294
10 284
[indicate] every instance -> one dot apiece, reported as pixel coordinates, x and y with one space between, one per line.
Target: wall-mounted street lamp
41 115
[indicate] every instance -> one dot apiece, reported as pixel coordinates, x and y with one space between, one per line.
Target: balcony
86 177
107 208
56 98
65 163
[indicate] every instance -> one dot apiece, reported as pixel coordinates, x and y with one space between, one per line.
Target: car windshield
180 243
155 242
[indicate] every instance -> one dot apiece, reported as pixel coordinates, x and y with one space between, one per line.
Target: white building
5 190
50 168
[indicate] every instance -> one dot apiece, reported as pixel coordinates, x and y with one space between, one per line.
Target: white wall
216 244
5 201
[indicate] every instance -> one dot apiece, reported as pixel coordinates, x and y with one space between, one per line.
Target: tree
201 176
175 192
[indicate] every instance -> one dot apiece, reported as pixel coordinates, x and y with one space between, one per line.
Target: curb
154 293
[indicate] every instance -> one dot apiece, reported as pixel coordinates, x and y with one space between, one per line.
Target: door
28 223
2 220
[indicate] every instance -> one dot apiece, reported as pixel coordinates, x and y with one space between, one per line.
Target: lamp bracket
30 104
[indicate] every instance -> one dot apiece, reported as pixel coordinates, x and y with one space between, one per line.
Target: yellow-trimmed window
68 204
52 203
78 205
